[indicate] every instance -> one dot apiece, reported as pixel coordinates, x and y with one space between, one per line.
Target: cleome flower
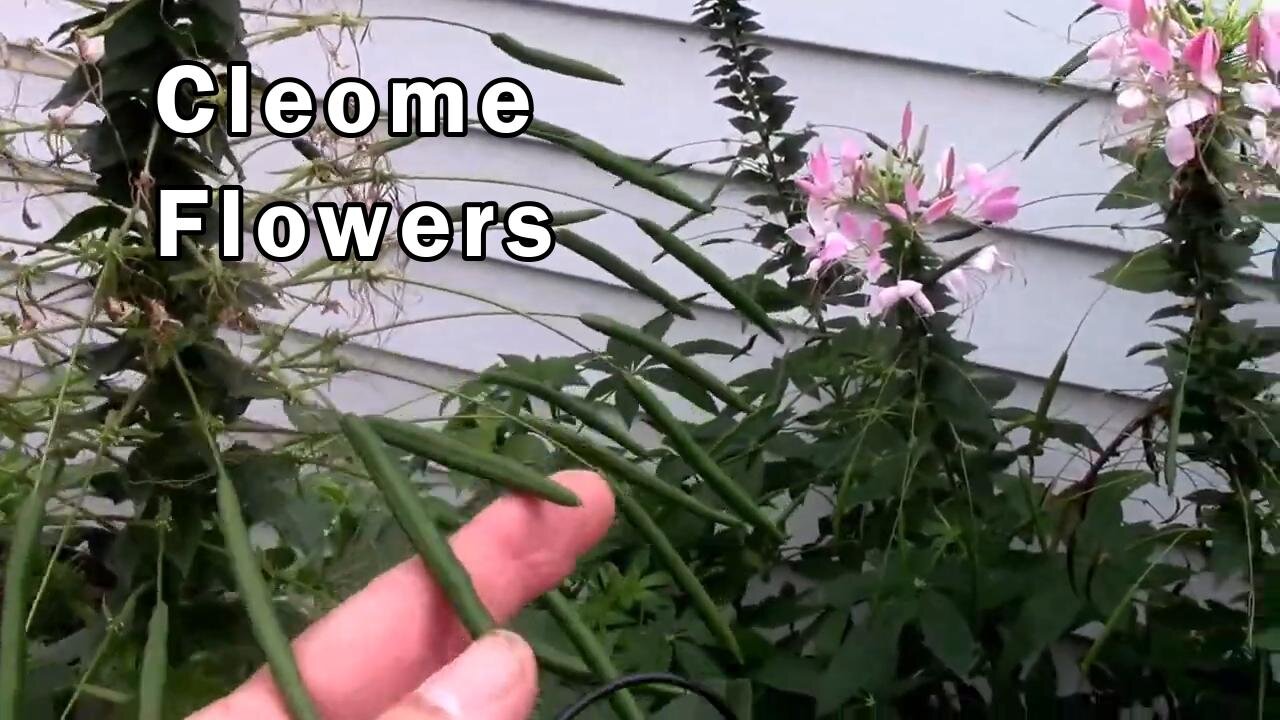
1174 67
863 210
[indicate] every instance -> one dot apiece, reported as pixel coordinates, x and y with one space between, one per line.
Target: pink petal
1001 206
1109 47
1155 53
816 214
922 304
875 267
949 167
1188 110
1132 98
875 236
883 299
1138 14
1179 145
802 236
850 157
907 118
912 193
898 212
1258 127
1263 96
815 268
976 179
1204 59
1253 47
820 166
955 281
1269 22
988 260
939 209
849 226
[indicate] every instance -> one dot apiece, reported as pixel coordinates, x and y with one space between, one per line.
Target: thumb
496 678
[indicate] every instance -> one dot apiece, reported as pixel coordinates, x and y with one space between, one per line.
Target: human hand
395 650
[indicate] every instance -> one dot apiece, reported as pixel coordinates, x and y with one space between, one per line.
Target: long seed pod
580 409
680 572
427 539
711 274
592 652
614 164
155 665
667 354
256 598
438 447
551 61
622 270
13 613
558 218
626 471
733 495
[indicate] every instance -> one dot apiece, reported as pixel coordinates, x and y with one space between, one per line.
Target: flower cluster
1175 67
858 209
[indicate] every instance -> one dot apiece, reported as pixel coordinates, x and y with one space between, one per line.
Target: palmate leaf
667 355
592 651
1147 271
680 572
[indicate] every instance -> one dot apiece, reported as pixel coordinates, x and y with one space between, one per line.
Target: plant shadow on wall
945 568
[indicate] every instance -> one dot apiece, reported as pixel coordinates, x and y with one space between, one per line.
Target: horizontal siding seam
774 40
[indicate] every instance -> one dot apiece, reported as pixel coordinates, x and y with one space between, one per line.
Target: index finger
382 642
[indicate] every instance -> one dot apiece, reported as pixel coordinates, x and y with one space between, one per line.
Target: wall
968 68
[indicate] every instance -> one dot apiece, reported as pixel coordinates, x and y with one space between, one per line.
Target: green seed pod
626 471
711 275
680 572
617 165
668 355
550 61
580 409
592 652
413 518
23 546
438 447
620 269
256 598
733 495
155 665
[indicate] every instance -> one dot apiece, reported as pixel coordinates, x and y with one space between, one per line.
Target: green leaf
1045 616
1057 120
1146 271
86 221
866 662
1268 639
946 633
790 673
1133 191
551 61
1264 209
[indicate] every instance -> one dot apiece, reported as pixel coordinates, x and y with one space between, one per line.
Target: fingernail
484 675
